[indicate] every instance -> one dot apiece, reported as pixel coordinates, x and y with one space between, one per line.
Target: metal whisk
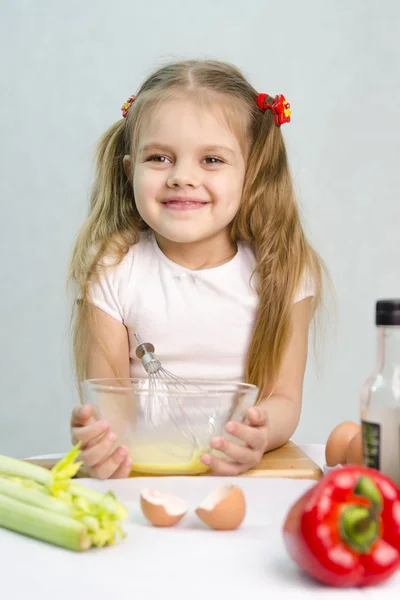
160 382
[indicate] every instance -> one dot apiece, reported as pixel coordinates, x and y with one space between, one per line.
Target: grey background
67 67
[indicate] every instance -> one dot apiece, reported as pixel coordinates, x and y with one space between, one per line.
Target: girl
194 240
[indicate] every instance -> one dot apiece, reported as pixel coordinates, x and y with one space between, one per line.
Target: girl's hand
254 436
97 445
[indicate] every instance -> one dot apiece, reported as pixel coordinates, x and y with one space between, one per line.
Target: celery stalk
60 474
108 501
43 525
17 491
19 468
91 523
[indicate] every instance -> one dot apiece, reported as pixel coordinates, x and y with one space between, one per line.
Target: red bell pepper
345 530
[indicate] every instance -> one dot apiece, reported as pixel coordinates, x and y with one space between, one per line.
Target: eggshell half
162 510
224 508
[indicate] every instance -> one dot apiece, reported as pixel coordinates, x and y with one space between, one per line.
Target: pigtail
112 226
113 218
269 219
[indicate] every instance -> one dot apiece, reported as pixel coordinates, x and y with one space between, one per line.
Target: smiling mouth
183 204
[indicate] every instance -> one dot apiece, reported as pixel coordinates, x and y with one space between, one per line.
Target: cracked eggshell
162 510
224 508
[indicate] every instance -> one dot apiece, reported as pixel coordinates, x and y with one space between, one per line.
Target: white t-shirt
200 322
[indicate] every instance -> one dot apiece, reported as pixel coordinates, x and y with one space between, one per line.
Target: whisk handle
144 352
143 347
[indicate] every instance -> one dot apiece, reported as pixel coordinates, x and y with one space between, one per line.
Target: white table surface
185 562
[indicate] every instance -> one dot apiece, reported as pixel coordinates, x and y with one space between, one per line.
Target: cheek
146 186
232 192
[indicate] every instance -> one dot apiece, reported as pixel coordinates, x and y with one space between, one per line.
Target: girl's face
188 174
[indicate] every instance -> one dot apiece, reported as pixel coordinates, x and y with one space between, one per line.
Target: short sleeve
306 287
107 292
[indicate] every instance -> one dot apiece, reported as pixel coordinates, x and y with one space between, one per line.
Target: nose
183 174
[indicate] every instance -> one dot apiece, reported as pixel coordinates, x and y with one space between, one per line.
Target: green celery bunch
50 506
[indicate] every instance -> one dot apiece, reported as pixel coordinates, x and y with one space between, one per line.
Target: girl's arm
115 335
98 453
283 407
275 419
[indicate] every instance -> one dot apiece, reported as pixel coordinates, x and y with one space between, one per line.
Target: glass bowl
167 426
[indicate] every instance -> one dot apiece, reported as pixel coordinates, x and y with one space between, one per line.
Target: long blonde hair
268 217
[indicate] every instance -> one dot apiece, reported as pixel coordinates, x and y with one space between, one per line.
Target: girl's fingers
220 466
100 452
110 466
124 470
239 454
95 440
87 433
253 437
82 415
257 417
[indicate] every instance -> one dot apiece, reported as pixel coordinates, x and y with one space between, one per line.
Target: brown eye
213 160
157 158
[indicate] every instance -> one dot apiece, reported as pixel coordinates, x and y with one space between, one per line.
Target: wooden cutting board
288 461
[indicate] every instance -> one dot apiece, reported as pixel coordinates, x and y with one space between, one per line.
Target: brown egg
354 454
338 441
224 508
162 510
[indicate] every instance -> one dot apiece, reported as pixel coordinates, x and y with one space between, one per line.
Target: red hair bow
126 105
280 108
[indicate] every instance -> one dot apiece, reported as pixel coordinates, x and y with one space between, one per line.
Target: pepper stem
359 528
359 525
367 489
